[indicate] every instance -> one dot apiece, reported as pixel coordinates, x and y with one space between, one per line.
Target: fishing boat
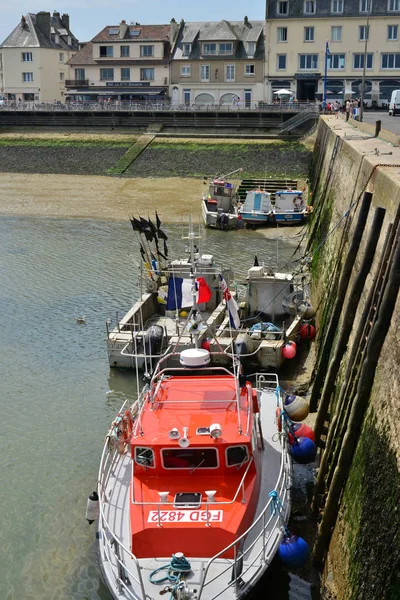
273 307
257 208
157 322
289 207
219 206
194 482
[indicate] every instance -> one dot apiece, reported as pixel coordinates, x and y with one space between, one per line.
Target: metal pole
326 72
369 6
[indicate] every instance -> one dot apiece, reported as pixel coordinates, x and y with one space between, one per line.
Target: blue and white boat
290 207
257 208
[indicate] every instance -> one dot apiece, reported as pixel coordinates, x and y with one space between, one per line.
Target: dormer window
309 7
210 49
187 48
226 48
251 48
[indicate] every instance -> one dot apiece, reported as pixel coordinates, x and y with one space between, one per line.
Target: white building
33 58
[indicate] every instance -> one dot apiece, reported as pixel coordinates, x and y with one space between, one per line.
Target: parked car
394 105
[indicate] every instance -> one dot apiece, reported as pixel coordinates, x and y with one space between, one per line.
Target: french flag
233 308
180 292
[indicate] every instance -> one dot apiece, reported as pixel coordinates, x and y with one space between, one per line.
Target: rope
177 567
277 508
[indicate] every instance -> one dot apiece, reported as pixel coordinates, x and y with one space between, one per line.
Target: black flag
162 235
137 226
256 261
146 229
142 252
153 228
158 221
165 248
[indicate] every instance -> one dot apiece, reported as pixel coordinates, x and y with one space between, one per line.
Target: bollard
378 125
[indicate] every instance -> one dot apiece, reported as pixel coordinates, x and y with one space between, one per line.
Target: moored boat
219 205
257 208
187 479
290 207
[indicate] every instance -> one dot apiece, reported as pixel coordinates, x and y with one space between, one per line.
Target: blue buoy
293 551
303 450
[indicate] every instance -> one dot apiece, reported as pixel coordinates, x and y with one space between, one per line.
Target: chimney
65 21
246 21
122 29
23 22
56 15
173 30
43 23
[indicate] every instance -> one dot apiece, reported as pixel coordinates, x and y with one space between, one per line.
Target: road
391 124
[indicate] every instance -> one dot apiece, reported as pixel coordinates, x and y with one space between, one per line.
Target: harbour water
58 395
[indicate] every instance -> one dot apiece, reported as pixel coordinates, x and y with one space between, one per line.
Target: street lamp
326 72
369 8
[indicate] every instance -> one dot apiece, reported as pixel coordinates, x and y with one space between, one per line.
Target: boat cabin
221 196
196 469
267 291
289 201
257 202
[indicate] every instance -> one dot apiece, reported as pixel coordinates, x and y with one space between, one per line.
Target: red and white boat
185 482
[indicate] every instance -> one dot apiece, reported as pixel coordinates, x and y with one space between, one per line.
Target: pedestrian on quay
348 108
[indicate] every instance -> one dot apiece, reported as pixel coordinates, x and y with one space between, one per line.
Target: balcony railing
77 83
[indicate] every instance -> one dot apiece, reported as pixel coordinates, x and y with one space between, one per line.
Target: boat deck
258 546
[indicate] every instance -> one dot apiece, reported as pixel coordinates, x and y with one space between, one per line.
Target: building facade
299 33
123 62
33 58
218 63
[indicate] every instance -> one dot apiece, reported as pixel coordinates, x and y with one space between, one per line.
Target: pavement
391 124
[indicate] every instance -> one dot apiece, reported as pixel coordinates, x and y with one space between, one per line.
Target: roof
28 35
148 33
236 32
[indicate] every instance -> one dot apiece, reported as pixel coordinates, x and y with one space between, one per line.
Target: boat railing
203 505
110 544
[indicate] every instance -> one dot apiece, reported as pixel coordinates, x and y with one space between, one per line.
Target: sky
88 17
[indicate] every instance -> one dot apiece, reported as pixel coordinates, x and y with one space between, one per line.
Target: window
61 57
308 34
144 456
394 5
125 74
134 32
124 51
146 74
225 48
190 458
282 34
113 31
27 57
336 61
186 49
308 62
282 7
229 72
79 74
61 76
309 7
107 74
363 33
185 70
281 62
204 72
210 49
106 51
358 61
365 5
186 96
236 456
250 70
391 61
337 6
392 32
336 33
146 50
27 77
251 48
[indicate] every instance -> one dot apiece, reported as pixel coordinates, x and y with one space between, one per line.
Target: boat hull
289 218
211 218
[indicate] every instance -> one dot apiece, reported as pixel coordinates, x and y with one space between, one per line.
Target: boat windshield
190 458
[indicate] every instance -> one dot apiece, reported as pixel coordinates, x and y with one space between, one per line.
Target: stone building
123 62
33 58
297 32
218 63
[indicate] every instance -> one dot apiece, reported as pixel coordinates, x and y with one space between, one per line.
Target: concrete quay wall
362 559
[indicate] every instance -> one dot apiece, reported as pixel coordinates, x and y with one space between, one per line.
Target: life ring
278 419
298 202
127 426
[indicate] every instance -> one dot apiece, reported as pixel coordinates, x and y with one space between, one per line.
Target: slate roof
148 33
30 36
236 32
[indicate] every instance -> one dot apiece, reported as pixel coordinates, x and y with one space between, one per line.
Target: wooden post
347 322
359 408
344 282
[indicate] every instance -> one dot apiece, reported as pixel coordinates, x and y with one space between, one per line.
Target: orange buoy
307 331
289 350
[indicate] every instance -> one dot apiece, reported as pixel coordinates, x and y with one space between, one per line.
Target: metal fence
159 106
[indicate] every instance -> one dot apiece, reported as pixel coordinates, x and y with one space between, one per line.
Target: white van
394 106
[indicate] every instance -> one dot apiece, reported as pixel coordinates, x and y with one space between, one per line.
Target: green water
58 395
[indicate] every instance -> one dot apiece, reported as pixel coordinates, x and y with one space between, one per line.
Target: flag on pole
180 292
232 307
327 47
